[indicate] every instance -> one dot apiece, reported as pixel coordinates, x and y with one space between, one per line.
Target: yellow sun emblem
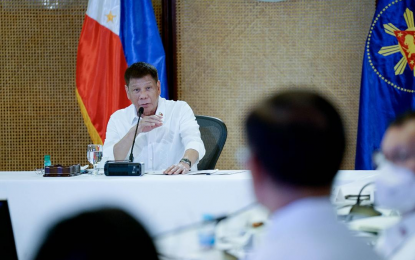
406 43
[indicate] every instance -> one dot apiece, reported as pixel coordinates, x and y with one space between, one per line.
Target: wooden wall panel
38 110
233 53
230 54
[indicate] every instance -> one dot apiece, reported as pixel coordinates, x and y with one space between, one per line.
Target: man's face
398 145
144 92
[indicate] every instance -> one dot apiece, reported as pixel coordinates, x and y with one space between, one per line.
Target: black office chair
214 134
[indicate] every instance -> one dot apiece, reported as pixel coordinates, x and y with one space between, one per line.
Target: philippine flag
115 34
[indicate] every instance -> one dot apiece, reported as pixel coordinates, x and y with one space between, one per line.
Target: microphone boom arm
140 112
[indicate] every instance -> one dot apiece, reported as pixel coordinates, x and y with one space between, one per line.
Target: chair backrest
214 134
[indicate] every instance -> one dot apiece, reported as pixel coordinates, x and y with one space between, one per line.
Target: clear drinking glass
94 155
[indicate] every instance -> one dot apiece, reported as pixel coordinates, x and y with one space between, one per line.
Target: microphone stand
126 167
140 112
364 210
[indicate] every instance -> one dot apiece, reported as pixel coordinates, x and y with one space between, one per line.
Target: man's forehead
144 81
399 137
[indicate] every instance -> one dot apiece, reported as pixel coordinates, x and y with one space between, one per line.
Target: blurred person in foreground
100 234
297 142
168 136
395 187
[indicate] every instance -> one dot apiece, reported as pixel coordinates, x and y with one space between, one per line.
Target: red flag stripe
100 76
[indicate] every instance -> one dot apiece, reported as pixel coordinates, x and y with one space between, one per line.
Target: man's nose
143 96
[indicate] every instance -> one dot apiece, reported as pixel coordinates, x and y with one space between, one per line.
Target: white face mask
395 188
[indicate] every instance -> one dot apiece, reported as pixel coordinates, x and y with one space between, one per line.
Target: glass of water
94 155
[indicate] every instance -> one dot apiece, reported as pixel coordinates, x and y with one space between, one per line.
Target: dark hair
298 137
139 70
403 119
100 234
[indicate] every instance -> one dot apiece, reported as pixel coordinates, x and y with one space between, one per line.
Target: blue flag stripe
140 37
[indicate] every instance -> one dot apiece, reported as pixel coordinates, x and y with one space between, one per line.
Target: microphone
140 112
126 168
363 210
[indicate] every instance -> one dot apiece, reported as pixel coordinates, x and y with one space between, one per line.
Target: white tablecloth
162 203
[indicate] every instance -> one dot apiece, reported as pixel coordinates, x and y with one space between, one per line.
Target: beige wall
39 113
232 53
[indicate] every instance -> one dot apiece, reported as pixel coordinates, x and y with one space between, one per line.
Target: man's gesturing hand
148 123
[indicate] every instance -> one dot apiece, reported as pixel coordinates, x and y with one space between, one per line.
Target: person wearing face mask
168 136
395 188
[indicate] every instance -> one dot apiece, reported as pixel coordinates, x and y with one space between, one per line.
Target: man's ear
256 168
158 87
127 92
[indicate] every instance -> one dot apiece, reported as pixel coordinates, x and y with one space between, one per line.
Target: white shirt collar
132 114
161 107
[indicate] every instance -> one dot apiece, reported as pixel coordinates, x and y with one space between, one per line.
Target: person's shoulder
123 112
176 104
407 249
325 246
321 235
337 239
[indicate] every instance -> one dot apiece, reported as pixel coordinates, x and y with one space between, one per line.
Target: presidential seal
390 46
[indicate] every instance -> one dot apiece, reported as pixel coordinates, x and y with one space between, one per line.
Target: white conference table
161 203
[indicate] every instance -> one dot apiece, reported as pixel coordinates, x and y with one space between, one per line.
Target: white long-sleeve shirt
162 146
308 229
398 241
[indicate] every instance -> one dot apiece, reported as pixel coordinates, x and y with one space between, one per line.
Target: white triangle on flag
106 12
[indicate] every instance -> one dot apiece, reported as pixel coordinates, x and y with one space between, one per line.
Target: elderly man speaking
168 136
